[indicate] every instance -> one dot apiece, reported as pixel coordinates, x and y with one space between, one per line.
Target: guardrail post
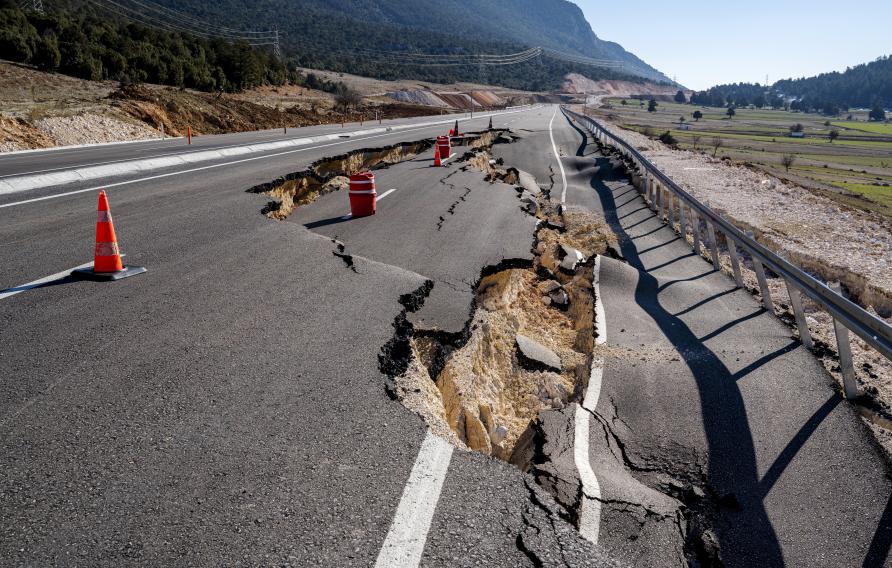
735 261
695 229
681 227
801 322
844 348
713 245
763 282
651 193
662 198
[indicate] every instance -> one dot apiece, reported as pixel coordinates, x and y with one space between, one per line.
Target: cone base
90 274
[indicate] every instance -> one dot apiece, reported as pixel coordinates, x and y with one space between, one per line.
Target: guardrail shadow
732 468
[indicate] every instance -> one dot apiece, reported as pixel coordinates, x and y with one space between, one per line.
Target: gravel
90 128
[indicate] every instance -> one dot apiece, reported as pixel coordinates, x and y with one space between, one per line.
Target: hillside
327 34
860 86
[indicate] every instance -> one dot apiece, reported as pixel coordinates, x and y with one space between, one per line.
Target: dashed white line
405 541
386 193
558 156
349 216
37 283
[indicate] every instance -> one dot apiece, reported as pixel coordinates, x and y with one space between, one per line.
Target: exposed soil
331 174
41 110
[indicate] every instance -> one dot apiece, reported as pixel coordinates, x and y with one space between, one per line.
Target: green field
873 127
855 169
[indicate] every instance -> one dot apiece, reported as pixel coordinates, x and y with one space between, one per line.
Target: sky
710 43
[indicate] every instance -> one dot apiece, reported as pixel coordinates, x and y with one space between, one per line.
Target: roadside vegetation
847 157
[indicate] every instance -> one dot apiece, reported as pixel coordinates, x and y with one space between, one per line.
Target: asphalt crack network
451 210
340 253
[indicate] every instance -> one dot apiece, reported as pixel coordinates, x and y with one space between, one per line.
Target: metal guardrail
659 191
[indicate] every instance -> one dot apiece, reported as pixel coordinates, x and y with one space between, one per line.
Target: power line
184 25
32 6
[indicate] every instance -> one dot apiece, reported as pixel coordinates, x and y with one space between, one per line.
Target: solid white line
408 533
558 156
600 316
20 183
45 280
590 506
213 166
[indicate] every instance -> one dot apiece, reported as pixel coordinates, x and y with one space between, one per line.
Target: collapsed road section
515 271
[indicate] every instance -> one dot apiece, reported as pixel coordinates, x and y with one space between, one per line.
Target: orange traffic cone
107 261
437 162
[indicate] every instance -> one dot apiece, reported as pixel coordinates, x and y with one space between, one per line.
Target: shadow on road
329 221
882 540
732 467
64 280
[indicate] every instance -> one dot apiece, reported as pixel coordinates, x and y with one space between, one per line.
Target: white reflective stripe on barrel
360 191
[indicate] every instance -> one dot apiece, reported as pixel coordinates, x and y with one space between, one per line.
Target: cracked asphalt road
710 406
226 408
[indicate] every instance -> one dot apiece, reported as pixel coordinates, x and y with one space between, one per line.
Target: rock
535 356
613 251
544 272
572 258
549 286
560 299
528 182
555 226
498 434
475 433
546 300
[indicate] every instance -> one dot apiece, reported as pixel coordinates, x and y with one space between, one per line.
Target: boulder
535 356
572 258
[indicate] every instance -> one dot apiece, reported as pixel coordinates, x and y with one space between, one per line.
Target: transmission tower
33 6
276 48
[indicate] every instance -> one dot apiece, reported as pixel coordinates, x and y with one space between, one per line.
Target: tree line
87 45
864 86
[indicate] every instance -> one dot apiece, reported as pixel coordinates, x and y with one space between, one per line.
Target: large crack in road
521 361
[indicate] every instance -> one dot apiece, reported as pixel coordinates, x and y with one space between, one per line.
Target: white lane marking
37 283
590 506
386 193
212 166
405 541
21 183
174 152
600 316
558 156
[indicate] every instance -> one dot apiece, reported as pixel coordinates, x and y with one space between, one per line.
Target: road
228 407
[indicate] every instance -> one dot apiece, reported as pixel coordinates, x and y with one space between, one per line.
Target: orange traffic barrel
444 146
363 197
108 263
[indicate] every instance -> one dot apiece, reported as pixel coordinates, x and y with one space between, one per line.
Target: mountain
328 32
206 45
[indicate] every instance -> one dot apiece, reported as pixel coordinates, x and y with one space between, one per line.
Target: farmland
855 169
